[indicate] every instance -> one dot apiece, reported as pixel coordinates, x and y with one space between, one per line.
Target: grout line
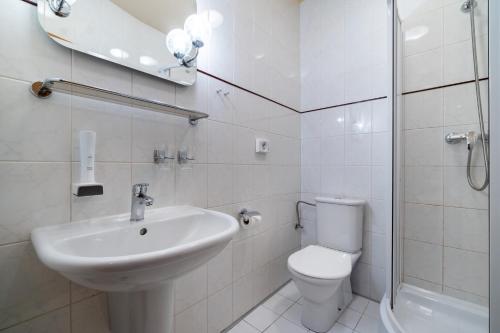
242 317
35 317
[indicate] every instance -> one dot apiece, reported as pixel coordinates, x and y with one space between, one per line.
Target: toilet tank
340 223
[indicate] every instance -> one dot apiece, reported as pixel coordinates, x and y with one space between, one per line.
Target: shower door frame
494 209
393 276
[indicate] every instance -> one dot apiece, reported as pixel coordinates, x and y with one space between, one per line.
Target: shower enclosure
443 179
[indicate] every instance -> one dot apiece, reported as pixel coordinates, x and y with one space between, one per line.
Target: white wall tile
90 314
56 321
220 310
381 116
423 70
460 106
332 121
194 319
220 184
358 149
150 131
358 118
191 289
424 223
423 32
465 270
111 122
357 182
191 185
423 109
242 296
424 147
459 63
466 229
423 261
38 195
28 288
311 152
311 125
332 150
48 121
457 191
424 185
220 270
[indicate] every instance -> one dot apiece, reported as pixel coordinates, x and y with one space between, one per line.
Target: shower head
467 5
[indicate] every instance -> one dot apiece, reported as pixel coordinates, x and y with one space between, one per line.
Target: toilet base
320 317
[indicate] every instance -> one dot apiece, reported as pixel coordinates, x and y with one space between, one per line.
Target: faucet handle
141 188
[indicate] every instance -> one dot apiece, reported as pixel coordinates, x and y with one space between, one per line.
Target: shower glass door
441 148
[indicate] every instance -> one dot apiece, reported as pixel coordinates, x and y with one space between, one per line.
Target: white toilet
321 272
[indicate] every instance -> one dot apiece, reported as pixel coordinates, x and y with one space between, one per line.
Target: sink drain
143 231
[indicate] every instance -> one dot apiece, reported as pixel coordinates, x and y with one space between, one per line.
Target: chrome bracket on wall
43 89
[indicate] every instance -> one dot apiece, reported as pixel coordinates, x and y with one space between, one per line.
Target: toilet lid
321 263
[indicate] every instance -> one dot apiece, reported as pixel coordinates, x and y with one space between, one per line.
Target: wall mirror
131 33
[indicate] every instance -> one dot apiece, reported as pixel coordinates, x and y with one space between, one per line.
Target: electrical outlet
261 146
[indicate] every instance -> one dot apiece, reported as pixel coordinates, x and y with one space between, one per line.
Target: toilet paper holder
246 215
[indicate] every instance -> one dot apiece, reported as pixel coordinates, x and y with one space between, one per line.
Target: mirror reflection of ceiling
157 13
127 32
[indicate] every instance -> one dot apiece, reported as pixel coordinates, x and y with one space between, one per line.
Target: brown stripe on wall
30 2
247 90
346 104
443 86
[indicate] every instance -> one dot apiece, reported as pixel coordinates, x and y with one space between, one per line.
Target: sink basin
114 254
135 261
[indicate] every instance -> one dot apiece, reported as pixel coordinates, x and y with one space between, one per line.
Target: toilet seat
321 263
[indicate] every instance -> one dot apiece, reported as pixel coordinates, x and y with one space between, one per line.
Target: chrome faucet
139 201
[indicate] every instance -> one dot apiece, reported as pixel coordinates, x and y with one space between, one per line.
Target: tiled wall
343 51
445 227
346 149
39 159
346 152
257 46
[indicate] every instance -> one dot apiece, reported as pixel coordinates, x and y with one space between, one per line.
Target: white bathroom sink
113 254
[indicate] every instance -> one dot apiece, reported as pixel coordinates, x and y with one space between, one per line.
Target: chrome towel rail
43 89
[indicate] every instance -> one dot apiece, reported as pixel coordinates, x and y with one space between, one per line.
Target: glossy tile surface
361 316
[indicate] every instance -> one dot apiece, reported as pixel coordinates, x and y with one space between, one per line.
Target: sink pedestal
147 311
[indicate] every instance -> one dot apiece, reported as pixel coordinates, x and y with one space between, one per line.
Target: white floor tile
282 313
278 304
284 326
359 303
261 318
339 328
290 291
367 324
349 318
243 327
373 310
294 314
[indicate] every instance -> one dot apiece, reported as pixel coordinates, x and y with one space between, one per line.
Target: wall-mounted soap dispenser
87 185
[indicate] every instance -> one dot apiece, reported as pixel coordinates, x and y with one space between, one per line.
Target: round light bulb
179 43
198 28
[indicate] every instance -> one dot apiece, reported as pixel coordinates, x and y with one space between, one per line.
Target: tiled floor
281 314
